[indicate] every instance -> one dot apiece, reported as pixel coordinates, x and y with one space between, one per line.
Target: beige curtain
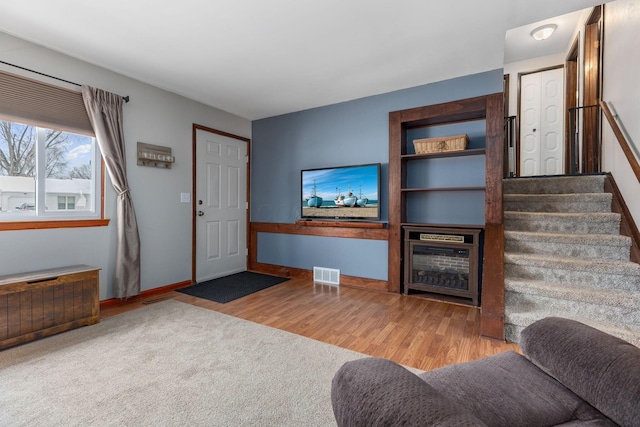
105 114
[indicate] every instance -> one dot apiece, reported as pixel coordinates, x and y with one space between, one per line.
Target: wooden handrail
635 166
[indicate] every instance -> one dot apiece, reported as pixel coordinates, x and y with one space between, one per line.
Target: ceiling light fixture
543 32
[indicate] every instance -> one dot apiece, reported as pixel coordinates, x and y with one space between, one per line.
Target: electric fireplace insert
442 261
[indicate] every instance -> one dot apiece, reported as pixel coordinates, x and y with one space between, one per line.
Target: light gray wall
621 89
153 116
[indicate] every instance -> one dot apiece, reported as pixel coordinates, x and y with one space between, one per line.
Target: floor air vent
326 275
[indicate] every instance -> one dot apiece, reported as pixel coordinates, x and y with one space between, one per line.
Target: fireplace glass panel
440 266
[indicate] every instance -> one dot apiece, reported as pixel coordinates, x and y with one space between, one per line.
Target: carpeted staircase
564 256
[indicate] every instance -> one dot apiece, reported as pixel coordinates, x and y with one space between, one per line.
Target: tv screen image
344 192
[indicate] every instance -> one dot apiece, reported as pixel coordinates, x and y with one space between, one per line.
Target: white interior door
542 123
221 205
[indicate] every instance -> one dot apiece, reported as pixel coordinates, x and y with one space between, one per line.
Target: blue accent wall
353 132
351 256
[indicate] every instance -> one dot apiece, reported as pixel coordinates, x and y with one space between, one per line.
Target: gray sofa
570 375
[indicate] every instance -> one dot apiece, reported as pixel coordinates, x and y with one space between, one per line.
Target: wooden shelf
415 224
460 153
415 190
343 224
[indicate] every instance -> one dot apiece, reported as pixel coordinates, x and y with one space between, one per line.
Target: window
50 166
66 202
47 174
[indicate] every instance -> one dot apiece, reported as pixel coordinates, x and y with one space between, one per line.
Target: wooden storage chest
42 303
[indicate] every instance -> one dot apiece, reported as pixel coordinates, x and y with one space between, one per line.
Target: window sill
38 225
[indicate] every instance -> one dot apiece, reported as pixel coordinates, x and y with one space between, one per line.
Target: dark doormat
229 288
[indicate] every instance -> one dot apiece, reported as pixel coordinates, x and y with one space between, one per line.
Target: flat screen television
341 193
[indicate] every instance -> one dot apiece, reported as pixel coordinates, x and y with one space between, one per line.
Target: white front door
542 123
221 206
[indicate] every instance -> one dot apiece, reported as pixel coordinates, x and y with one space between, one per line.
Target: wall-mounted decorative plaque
155 156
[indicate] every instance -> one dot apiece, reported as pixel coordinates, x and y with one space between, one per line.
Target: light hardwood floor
413 331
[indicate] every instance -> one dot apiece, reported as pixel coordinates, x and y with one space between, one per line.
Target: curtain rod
125 98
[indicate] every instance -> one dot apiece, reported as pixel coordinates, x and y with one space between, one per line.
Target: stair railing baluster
582 160
510 148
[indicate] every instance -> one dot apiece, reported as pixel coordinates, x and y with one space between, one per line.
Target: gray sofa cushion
375 392
602 369
506 390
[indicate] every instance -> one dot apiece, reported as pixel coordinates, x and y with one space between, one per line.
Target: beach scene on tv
344 192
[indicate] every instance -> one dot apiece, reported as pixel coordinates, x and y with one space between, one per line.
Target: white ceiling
519 45
259 58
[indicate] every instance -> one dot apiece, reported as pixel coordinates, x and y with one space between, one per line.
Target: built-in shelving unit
414 189
428 267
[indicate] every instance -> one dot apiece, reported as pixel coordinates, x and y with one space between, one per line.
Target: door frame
194 176
519 115
592 88
571 97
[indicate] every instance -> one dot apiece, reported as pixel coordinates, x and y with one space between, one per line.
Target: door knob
200 213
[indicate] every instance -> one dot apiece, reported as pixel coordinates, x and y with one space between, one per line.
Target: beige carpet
170 364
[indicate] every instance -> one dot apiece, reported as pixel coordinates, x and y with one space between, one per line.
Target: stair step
603 314
578 303
583 202
517 321
592 246
612 274
547 222
554 184
608 297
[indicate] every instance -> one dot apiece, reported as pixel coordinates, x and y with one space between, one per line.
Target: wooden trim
628 226
116 302
397 212
41 225
417 190
571 101
341 224
222 133
592 90
633 162
492 297
455 226
297 273
440 114
324 231
193 202
194 130
506 82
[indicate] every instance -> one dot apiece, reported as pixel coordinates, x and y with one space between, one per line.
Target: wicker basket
439 145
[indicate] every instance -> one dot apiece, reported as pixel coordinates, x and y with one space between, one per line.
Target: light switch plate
185 197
